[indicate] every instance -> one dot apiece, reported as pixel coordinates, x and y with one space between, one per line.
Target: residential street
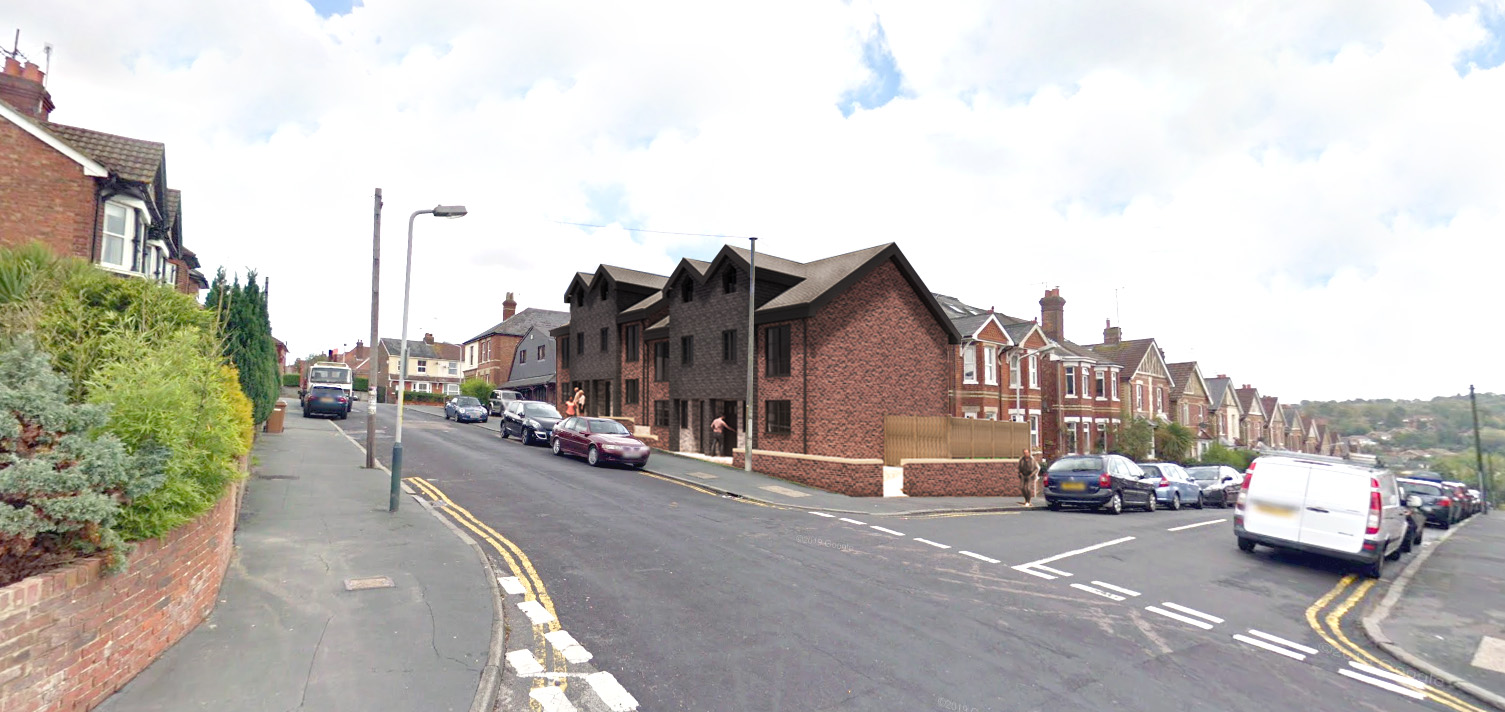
701 602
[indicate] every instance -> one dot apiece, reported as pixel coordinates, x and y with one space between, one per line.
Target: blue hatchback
1176 487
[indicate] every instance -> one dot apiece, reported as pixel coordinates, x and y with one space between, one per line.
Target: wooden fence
909 437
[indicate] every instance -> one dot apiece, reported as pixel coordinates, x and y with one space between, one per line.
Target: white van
500 399
1338 510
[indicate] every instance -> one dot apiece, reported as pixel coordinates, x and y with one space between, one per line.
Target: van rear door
1277 492
1337 506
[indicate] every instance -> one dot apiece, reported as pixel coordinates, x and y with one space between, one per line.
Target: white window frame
1113 379
1139 396
423 365
454 368
1071 381
125 238
990 412
1034 371
1034 431
420 386
1014 372
1159 399
969 363
990 365
451 389
969 412
1100 376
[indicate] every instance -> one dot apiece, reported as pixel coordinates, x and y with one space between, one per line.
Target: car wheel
1245 545
1446 525
527 436
1377 568
1417 542
1405 545
593 457
1116 504
1150 503
555 446
503 430
1053 506
1176 502
1200 502
344 416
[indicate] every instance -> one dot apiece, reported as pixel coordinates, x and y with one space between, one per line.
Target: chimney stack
22 87
1053 314
1112 334
509 307
428 339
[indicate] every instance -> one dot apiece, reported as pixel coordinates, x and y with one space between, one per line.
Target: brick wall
961 478
790 388
853 477
654 391
44 196
72 637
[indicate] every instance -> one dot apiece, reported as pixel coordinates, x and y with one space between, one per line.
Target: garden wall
961 478
855 477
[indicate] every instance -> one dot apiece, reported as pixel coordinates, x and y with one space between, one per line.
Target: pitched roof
1270 405
1128 354
423 349
642 307
1218 389
1017 329
1246 398
524 320
622 275
1181 373
130 158
970 324
826 278
1292 415
26 123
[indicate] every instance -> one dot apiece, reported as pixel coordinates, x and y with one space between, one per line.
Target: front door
728 413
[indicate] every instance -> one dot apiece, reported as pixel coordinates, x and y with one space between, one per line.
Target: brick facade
852 477
72 637
45 196
961 478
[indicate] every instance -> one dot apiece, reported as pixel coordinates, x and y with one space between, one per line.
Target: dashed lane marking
1383 685
536 613
937 545
1191 612
611 692
511 585
1177 616
566 645
1198 524
1104 594
1119 589
523 662
887 531
551 699
979 557
849 520
823 514
1282 641
1272 648
1402 679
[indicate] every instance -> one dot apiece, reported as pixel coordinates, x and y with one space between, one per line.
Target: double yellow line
1330 628
521 566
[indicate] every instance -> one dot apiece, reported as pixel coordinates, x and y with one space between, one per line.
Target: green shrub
416 398
479 388
241 313
291 380
1237 458
360 383
62 480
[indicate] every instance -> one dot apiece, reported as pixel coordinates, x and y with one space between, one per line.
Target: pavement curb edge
790 505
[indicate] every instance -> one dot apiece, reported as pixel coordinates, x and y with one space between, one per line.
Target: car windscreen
607 427
1421 488
1203 474
1153 471
467 401
1078 464
329 375
540 410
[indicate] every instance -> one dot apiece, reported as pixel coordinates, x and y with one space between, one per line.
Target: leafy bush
1134 439
1174 442
1237 458
479 388
416 398
291 380
241 313
62 481
360 383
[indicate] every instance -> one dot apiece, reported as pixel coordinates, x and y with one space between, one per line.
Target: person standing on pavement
718 428
1029 470
576 404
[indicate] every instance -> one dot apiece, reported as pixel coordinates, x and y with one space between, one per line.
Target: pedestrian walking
718 427
576 404
1029 471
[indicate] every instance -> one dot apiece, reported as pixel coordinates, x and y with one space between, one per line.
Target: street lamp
441 211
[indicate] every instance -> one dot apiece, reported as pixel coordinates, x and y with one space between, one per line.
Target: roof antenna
46 70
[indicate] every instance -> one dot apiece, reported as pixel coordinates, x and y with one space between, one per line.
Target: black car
1416 520
326 400
530 421
1436 501
1220 484
1106 482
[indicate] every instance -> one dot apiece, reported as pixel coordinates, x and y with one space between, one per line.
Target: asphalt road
699 602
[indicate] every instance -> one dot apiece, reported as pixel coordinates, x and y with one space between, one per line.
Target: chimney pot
1112 334
428 338
1053 314
32 71
28 96
509 307
12 67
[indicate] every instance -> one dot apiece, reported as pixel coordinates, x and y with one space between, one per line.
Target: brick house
92 195
1227 415
1191 405
1252 427
999 368
643 330
1295 429
433 367
1275 422
491 354
1082 402
1145 379
590 353
532 373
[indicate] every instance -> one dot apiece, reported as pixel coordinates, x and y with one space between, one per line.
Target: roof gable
1248 401
1137 356
130 158
523 321
1270 405
1220 391
1187 378
828 278
91 167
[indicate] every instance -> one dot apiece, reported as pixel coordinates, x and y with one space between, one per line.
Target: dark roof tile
524 320
130 158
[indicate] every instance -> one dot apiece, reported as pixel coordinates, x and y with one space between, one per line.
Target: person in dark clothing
1029 471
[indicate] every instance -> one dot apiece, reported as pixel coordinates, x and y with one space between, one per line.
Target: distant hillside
1442 422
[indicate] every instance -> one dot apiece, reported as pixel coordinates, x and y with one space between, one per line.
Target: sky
1305 196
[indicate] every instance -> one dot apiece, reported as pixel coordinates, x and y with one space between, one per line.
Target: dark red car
599 440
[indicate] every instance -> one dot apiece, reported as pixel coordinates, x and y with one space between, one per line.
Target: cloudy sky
1303 195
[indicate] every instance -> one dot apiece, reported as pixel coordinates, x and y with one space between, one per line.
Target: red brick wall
962 478
72 637
790 388
44 195
654 391
856 479
875 350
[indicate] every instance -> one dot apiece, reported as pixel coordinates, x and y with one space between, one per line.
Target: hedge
417 398
291 380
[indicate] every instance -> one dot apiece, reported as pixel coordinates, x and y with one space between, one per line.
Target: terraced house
85 193
1083 404
1145 378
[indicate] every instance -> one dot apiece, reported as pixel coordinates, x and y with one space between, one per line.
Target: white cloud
1285 194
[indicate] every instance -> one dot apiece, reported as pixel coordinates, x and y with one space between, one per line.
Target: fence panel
906 436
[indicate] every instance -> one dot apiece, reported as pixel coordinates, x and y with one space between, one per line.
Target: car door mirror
1413 501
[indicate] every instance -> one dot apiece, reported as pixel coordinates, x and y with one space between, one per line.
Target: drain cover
361 584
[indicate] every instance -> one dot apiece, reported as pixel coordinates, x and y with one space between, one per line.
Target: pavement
767 489
1447 615
288 635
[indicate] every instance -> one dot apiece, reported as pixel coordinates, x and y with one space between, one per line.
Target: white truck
327 373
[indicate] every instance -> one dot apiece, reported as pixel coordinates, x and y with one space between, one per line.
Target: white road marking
1032 572
1402 679
1179 617
1272 648
1074 552
523 662
1104 594
1198 524
887 531
566 645
1490 655
611 692
823 514
511 585
780 489
1050 570
1397 689
535 612
849 520
1191 611
551 699
932 543
979 557
1282 641
1119 589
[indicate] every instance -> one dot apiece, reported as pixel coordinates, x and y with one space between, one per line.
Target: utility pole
752 343
371 353
1473 403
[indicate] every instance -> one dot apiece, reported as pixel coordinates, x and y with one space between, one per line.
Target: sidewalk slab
1452 605
287 634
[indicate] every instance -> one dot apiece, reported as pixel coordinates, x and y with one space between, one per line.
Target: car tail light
1046 482
1165 482
343 399
1243 490
1372 527
1105 480
1444 502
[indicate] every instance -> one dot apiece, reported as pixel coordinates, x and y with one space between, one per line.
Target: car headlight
532 424
611 448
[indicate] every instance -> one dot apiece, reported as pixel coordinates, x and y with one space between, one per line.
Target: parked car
1478 496
1174 487
1461 491
600 440
465 409
500 399
326 400
1337 510
1437 503
1219 483
1416 520
1099 482
529 421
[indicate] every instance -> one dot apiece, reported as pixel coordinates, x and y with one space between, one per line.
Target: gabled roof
130 158
1220 390
91 166
581 280
423 349
825 279
641 308
1018 329
1184 373
662 325
1271 407
790 270
695 268
524 320
1248 399
1292 415
1130 354
970 320
622 275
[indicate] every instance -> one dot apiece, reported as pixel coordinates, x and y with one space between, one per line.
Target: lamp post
440 211
752 342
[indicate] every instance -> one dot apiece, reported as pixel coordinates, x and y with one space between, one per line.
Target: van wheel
1376 569
1116 504
1245 545
1395 556
1405 544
